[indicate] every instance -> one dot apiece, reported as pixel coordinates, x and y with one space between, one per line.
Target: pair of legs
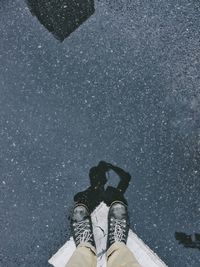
118 254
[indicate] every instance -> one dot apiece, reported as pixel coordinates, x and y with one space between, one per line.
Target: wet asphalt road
124 87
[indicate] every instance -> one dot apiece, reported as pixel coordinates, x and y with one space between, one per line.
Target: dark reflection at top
188 241
97 192
61 17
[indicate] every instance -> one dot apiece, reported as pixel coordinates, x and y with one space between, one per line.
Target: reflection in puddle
188 241
61 17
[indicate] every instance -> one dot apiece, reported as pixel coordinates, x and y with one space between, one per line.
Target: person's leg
83 256
118 254
81 226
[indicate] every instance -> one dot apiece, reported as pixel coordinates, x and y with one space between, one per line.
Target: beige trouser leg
83 256
120 256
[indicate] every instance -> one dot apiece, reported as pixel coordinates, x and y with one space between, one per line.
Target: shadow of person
61 17
97 192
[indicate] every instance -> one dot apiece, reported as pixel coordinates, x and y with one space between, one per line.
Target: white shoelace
82 231
119 229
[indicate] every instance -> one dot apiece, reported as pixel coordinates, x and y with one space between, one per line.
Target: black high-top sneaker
81 226
118 223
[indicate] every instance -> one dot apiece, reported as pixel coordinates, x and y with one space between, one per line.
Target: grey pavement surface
125 88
